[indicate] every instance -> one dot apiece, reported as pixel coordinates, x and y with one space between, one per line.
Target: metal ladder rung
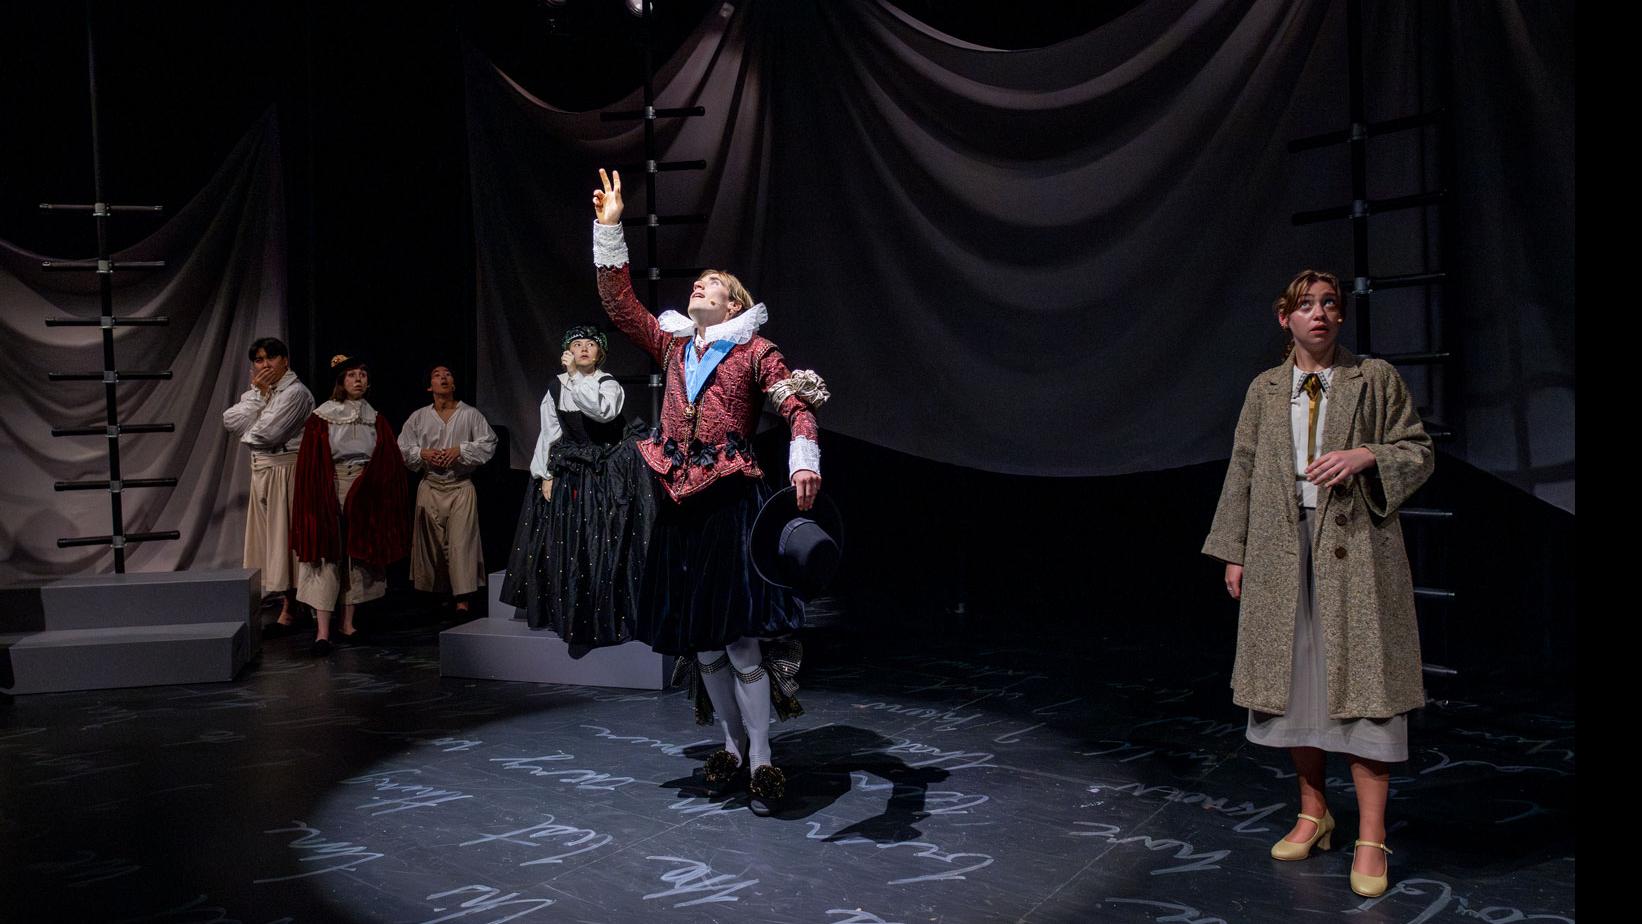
118 542
1363 208
159 321
1412 359
663 166
115 486
101 266
99 209
118 376
639 115
113 431
1426 513
1407 280
1344 135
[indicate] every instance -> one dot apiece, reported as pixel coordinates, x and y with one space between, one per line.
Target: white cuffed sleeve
239 418
545 439
609 245
803 453
482 445
410 442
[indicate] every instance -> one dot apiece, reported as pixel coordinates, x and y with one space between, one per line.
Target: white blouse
353 430
467 429
596 400
1299 418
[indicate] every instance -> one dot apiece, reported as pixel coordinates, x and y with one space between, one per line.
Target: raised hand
607 201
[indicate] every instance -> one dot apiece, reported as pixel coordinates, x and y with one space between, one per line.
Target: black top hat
796 549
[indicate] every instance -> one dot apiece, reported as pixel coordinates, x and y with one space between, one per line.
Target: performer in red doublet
702 599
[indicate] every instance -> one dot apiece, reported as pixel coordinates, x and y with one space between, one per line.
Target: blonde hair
738 292
1296 290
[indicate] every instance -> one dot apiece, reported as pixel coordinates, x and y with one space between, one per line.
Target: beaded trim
752 676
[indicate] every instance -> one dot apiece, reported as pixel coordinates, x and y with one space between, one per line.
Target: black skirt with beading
578 560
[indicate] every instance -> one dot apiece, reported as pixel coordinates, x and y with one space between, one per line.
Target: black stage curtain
1056 261
223 286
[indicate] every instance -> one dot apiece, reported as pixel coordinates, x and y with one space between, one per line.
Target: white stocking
752 693
721 691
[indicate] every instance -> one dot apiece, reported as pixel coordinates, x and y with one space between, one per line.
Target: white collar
738 329
347 412
285 381
1326 376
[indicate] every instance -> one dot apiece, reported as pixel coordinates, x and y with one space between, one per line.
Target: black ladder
110 375
652 219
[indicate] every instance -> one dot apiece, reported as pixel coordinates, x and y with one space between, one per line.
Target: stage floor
949 784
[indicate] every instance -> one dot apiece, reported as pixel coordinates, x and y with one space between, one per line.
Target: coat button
1339 551
1340 520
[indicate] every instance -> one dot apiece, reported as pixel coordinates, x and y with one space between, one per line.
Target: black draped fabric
223 286
1055 261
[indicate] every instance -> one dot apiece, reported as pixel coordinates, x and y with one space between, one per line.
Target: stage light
553 4
636 7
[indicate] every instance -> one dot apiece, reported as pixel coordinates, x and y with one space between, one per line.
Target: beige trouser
446 555
268 521
319 584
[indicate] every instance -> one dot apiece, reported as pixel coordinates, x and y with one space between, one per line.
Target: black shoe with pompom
767 788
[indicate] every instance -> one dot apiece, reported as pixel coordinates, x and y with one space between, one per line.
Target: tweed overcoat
1364 593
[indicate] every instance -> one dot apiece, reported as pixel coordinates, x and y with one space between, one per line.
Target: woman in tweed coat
1328 447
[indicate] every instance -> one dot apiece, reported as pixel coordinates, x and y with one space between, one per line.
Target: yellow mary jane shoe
1322 839
1372 886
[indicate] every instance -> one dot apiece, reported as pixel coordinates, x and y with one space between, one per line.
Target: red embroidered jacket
711 438
377 509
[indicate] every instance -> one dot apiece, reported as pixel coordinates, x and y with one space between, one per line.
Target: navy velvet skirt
700 591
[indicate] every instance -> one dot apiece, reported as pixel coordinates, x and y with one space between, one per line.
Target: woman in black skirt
579 548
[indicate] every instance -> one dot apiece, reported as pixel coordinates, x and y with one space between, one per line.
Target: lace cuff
803 453
609 245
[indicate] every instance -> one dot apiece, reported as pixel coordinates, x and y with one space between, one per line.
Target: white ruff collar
738 329
347 412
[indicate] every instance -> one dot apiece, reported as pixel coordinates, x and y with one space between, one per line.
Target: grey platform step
60 660
502 647
162 598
